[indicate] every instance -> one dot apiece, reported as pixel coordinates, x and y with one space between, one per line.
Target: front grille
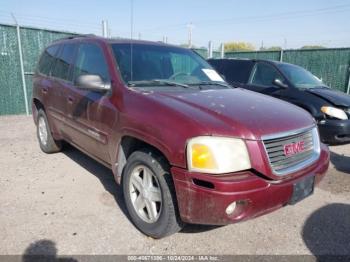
282 164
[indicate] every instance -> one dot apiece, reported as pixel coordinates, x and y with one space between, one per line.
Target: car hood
236 112
333 96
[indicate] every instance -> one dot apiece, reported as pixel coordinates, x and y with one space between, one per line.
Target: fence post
21 65
348 90
222 51
281 55
210 49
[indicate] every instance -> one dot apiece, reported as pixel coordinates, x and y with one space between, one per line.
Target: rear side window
47 60
91 61
64 61
235 71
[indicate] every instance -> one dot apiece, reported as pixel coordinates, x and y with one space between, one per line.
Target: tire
143 194
47 143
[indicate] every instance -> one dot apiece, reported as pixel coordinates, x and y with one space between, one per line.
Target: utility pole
104 28
190 28
131 19
24 86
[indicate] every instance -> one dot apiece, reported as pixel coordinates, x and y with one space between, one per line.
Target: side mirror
279 83
92 82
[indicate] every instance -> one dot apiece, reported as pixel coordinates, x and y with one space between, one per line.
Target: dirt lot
68 202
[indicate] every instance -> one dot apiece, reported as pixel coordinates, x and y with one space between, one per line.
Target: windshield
300 77
158 65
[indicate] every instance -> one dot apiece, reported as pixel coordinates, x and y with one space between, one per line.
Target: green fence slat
331 65
11 98
202 52
33 42
270 55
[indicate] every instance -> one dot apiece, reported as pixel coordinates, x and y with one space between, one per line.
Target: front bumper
334 131
203 198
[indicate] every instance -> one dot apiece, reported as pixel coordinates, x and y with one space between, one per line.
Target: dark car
163 120
294 84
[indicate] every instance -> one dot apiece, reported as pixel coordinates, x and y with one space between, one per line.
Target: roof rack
75 36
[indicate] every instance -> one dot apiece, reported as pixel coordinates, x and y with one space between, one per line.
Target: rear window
234 71
64 61
47 59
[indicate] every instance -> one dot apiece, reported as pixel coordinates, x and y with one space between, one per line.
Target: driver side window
90 60
264 75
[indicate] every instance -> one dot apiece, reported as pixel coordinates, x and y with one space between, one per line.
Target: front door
89 112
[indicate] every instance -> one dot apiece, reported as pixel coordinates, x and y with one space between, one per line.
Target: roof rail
75 36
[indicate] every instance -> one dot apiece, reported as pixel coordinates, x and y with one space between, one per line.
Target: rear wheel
150 196
47 143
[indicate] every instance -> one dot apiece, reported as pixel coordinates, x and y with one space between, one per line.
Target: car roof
100 39
277 63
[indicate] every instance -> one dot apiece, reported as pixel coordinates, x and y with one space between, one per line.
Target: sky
289 24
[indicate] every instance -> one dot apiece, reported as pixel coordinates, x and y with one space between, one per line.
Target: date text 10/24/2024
173 258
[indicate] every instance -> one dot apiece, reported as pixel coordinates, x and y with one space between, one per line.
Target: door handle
70 99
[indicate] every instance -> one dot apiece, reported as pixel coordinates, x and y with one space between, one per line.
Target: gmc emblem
294 148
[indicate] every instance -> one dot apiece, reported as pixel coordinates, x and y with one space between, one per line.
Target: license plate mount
302 189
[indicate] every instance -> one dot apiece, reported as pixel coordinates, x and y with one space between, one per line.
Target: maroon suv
185 146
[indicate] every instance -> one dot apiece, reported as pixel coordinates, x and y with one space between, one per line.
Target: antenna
131 36
285 43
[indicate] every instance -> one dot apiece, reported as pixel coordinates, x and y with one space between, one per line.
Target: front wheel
150 196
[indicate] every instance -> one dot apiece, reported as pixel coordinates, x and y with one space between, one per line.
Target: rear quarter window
47 60
65 59
235 71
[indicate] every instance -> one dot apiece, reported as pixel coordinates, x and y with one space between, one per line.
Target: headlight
217 155
334 112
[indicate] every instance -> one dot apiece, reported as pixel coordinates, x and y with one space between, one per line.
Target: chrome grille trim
282 165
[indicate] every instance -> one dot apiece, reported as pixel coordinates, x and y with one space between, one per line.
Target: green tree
272 48
312 47
239 46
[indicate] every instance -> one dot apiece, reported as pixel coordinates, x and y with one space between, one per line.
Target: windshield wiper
156 81
212 83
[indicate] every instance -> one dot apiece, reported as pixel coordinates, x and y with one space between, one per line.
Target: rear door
61 75
89 112
45 86
262 77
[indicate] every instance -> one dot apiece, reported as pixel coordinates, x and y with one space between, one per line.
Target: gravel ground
69 204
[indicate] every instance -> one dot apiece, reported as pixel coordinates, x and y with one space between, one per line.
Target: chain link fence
332 65
33 41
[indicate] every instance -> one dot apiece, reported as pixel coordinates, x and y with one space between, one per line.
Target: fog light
230 208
